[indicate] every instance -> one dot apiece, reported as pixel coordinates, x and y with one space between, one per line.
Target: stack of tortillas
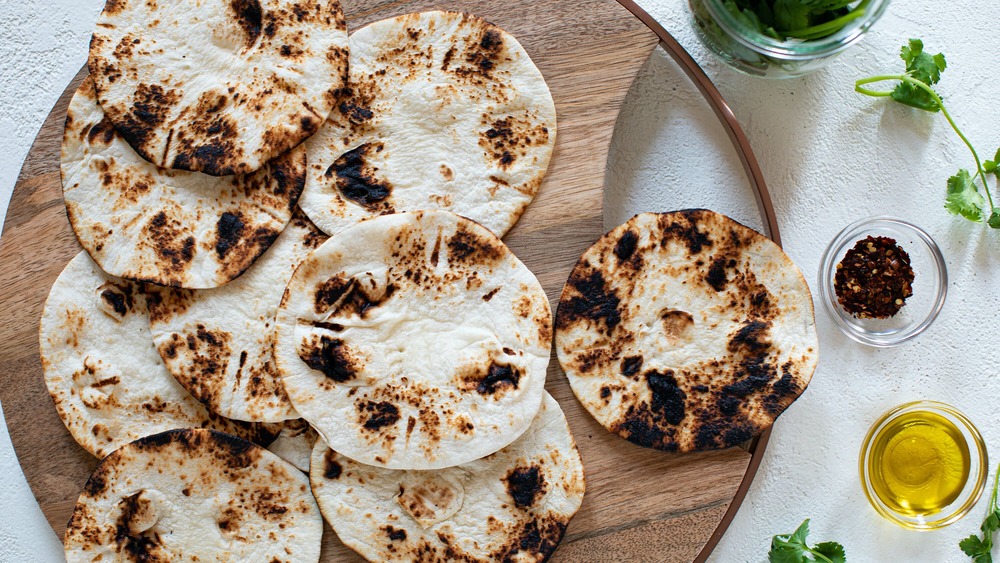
415 344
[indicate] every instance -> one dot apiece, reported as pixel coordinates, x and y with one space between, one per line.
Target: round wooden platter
641 505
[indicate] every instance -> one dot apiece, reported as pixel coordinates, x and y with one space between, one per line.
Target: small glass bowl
974 484
746 49
930 282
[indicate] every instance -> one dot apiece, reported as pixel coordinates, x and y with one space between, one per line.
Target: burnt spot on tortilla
668 398
682 227
507 139
499 378
538 539
101 132
626 245
640 426
116 301
229 229
489 295
716 276
355 113
525 485
357 296
591 298
249 16
139 545
447 173
752 339
356 178
174 250
377 415
631 365
331 467
112 7
97 483
395 534
151 107
331 356
329 293
469 247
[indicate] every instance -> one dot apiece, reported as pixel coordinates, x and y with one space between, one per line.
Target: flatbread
414 341
513 505
194 495
105 377
686 331
218 86
217 342
168 227
295 442
445 111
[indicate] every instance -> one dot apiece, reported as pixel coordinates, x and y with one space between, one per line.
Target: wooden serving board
641 505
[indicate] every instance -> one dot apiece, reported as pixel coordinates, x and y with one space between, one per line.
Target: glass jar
740 45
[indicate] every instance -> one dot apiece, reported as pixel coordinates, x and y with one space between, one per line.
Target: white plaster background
829 156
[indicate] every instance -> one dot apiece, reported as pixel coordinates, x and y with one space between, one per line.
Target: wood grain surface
641 505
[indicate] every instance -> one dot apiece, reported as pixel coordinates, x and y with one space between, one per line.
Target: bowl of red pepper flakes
883 281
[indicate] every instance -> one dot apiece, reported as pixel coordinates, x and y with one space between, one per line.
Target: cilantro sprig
914 88
792 548
980 549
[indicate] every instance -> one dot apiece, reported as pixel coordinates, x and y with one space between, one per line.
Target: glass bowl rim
797 50
978 446
828 293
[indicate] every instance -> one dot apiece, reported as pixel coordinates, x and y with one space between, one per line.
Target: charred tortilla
513 505
445 111
686 331
414 341
218 342
105 377
218 86
194 495
167 227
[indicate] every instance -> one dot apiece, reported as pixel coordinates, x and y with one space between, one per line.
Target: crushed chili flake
874 278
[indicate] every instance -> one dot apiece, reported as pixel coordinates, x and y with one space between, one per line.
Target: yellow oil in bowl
919 463
923 465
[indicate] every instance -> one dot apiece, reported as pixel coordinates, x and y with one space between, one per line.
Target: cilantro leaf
832 551
923 67
963 197
990 166
994 220
792 548
827 5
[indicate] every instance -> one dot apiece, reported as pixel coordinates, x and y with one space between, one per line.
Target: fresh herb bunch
799 19
914 89
792 548
979 549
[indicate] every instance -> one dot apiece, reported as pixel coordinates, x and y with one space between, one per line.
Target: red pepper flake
874 278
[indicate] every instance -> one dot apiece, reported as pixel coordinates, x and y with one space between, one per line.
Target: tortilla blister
445 111
218 343
105 377
194 495
414 341
513 505
168 227
686 331
218 86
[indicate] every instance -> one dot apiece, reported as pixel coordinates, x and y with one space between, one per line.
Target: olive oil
919 463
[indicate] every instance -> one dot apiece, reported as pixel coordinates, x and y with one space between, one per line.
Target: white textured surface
829 156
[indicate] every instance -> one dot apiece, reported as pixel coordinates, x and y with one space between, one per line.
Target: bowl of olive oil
923 465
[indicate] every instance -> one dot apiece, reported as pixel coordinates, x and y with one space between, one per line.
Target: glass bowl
930 282
868 465
729 37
